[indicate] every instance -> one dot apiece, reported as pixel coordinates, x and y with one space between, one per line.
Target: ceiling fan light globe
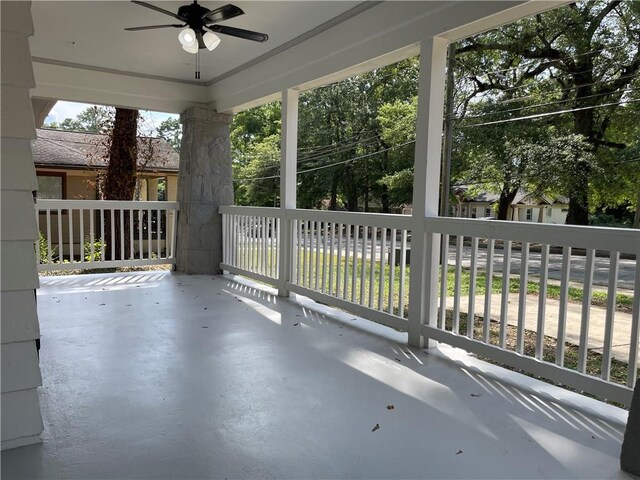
192 48
211 40
187 37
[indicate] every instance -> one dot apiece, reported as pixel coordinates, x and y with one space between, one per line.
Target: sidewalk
597 316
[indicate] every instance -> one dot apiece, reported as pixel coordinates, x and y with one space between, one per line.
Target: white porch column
425 248
205 182
288 182
152 189
21 420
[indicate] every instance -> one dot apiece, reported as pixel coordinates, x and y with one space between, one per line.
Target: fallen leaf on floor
205 308
458 452
476 394
128 304
296 324
376 427
102 304
218 293
593 437
298 315
204 326
390 407
397 360
58 301
157 303
85 298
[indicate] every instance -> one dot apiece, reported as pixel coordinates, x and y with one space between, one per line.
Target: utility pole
448 135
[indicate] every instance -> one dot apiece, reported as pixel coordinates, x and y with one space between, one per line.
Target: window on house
473 212
464 211
52 186
487 212
529 213
549 211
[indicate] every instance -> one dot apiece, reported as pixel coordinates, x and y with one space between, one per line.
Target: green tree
582 58
92 119
171 131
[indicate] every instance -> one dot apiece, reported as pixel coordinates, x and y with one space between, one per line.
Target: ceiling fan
199 26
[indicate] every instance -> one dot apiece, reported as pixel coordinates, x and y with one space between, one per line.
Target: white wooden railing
74 234
357 262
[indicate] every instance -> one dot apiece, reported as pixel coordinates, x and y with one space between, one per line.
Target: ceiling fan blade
223 13
152 27
158 9
240 33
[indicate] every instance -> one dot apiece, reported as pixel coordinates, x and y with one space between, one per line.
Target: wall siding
21 419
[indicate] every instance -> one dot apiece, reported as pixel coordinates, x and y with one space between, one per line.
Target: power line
342 162
548 114
526 107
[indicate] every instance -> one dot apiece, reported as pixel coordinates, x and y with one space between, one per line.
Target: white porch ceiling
82 53
91 35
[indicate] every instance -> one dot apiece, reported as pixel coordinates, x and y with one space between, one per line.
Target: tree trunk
120 180
578 201
504 202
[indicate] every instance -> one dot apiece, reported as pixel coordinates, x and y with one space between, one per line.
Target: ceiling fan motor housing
193 15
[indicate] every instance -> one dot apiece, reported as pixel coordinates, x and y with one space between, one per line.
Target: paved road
626 273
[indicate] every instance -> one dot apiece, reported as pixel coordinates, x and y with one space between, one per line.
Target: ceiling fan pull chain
198 65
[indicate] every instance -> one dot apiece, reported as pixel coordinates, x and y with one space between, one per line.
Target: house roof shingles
66 149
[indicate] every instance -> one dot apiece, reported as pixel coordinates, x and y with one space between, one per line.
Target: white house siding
21 420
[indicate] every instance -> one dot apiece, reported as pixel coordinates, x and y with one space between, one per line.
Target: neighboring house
67 164
524 207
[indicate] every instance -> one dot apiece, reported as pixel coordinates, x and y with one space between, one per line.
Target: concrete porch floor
162 375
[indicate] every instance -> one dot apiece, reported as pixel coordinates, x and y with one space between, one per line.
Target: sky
64 110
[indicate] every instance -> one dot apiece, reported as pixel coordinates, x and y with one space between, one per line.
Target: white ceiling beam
384 34
63 82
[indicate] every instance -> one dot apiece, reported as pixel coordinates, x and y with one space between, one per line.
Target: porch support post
288 174
425 247
205 182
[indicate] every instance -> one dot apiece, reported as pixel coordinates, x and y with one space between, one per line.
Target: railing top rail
107 204
385 220
597 238
256 211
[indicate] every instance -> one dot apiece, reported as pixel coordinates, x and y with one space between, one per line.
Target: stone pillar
205 182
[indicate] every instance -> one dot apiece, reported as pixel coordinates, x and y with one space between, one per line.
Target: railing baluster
279 242
305 277
363 264
49 250
587 287
504 305
339 262
131 251
612 291
564 298
60 242
635 330
324 257
488 290
81 212
455 323
444 267
149 233
383 247
332 237
372 265
113 234
347 250
403 268
121 217
317 230
392 270
471 310
354 270
70 214
103 245
542 301
141 234
522 296
299 252
158 232
92 235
